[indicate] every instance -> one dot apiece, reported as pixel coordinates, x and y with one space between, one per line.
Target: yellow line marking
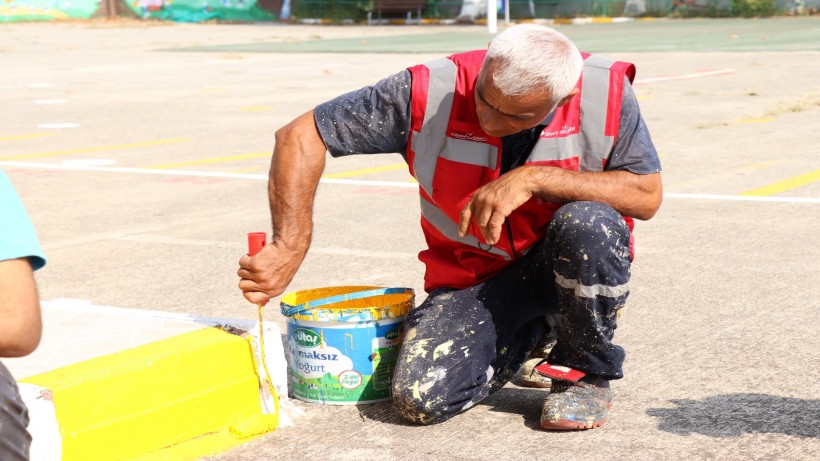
365 171
24 136
86 150
764 164
755 120
209 161
786 184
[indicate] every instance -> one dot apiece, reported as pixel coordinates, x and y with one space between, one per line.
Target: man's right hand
267 274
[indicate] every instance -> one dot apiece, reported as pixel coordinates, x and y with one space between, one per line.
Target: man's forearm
21 326
297 165
634 195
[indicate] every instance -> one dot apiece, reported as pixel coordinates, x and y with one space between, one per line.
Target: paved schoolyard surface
141 152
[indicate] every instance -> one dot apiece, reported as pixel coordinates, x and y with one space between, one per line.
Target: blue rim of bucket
310 305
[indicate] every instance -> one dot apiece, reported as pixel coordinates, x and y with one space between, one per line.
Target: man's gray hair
531 57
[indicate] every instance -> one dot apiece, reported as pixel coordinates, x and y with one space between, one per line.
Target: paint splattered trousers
462 345
14 438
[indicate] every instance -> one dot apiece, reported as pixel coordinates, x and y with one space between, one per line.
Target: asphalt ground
141 151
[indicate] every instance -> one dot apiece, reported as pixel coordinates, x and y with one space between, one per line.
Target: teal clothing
17 236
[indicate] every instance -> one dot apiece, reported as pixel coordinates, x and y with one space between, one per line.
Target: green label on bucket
306 337
343 363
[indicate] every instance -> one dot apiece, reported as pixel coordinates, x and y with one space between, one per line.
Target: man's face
501 115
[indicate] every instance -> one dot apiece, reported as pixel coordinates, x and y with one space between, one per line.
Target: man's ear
571 95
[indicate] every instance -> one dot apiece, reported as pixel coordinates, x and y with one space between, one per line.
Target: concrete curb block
187 396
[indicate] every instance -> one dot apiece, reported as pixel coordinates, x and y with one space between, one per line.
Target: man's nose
492 123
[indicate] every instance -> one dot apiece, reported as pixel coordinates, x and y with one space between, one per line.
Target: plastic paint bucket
343 342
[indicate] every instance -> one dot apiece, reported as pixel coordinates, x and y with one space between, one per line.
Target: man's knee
432 382
589 216
420 400
588 225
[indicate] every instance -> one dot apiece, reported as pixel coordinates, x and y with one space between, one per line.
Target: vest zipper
512 243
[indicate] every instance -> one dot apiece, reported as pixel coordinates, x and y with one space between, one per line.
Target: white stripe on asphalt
356 182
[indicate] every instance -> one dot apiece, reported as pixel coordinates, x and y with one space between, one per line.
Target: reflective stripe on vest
428 143
433 142
590 144
449 229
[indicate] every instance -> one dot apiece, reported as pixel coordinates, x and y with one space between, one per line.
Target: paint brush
257 241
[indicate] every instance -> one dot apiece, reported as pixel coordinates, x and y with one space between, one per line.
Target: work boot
576 400
527 377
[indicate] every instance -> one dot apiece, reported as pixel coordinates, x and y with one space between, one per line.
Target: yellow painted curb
180 398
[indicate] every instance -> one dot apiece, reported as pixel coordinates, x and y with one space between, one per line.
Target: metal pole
507 12
492 16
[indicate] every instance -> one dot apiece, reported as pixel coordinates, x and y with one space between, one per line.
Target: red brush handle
256 241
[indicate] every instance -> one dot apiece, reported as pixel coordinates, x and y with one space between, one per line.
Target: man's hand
267 274
491 204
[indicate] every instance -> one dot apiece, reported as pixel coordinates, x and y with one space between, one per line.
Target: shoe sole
523 382
569 425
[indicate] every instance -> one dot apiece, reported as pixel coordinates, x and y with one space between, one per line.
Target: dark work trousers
462 345
14 438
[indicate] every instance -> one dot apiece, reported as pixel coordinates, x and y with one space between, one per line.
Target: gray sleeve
633 151
372 120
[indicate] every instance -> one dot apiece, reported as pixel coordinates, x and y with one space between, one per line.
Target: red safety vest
451 157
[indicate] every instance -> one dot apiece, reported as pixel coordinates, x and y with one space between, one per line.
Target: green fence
357 10
361 10
175 10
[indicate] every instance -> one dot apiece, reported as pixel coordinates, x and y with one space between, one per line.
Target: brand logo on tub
306 338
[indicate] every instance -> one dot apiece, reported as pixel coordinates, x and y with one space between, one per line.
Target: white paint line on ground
710 73
47 443
356 182
364 253
142 238
744 198
50 101
86 306
57 126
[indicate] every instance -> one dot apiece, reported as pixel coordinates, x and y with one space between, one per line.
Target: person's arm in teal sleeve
20 255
